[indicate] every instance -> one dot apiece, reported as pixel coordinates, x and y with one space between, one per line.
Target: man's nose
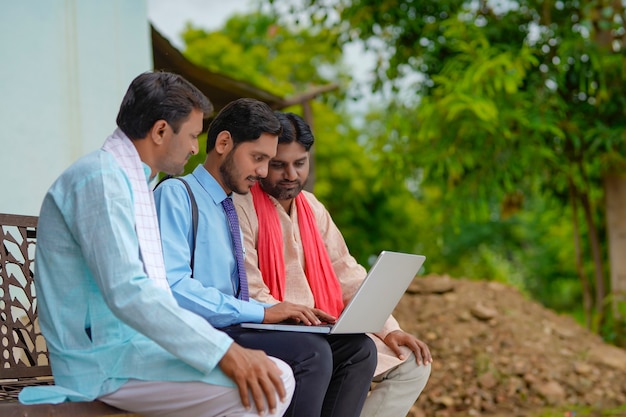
290 173
261 170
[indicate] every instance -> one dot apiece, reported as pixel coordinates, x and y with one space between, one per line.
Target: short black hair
295 129
160 95
246 119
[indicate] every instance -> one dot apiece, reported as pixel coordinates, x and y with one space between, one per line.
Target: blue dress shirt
210 291
103 318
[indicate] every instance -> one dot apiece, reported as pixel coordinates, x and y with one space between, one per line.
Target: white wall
64 68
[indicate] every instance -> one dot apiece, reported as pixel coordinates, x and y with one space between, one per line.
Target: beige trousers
190 399
396 390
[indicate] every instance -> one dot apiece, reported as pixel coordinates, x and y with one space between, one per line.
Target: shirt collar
210 184
147 170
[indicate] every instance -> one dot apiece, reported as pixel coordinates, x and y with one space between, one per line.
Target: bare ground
498 353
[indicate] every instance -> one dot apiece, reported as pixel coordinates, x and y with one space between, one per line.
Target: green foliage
521 113
373 211
255 49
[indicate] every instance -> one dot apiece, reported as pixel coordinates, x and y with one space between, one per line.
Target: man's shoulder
88 182
244 201
175 187
243 198
312 199
91 167
93 161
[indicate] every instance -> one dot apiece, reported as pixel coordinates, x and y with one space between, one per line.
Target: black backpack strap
194 215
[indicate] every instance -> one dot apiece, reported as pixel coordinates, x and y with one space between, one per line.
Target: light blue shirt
210 292
104 319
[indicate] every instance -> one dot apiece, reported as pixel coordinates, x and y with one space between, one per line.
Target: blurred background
487 135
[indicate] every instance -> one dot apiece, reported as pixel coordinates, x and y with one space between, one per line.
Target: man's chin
289 192
175 172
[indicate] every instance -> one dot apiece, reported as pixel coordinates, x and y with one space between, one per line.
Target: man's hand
254 373
399 338
296 313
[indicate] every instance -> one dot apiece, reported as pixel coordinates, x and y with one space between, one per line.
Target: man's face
180 146
288 171
247 163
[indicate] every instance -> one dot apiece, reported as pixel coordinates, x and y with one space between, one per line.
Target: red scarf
318 268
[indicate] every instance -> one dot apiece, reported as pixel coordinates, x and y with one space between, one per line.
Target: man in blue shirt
113 330
333 373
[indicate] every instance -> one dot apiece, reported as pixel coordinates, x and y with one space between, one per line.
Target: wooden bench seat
23 351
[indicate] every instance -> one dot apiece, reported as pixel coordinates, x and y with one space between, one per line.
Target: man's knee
365 353
368 348
314 356
361 345
288 379
410 370
415 370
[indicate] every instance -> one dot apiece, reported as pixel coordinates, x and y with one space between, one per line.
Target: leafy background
482 139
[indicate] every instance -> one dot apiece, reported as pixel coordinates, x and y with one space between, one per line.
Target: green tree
255 49
370 209
520 101
373 208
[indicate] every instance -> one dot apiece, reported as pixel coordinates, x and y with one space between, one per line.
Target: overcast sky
170 17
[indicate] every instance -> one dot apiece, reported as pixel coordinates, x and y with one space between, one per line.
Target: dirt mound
496 352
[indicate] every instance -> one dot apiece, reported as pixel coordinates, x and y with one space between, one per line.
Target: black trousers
332 372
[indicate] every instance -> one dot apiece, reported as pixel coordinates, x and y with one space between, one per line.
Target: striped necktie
235 232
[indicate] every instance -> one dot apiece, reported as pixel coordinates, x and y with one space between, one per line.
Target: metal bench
23 351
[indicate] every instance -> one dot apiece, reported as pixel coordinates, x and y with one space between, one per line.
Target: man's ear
158 131
223 142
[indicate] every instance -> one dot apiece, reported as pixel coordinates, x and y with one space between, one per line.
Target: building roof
219 88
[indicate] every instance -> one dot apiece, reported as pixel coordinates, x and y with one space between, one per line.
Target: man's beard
230 174
280 192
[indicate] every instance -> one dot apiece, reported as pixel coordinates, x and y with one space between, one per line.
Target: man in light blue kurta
105 309
87 259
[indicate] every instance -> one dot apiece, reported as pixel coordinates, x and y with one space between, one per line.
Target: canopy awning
219 88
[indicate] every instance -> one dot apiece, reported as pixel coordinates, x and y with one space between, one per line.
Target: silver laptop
373 302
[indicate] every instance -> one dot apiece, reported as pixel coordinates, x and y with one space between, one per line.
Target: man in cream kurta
403 360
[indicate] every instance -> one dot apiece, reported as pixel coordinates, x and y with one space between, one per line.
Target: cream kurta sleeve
349 273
